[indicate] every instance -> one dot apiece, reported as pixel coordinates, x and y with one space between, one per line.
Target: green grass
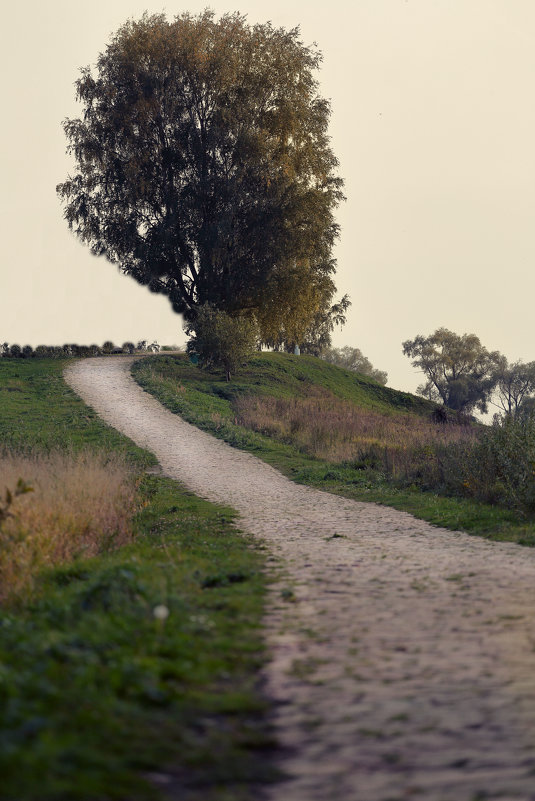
39 411
205 399
101 699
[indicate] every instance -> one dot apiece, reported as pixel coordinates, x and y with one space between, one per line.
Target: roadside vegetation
344 432
130 612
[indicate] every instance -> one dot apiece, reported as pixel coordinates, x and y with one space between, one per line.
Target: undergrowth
79 505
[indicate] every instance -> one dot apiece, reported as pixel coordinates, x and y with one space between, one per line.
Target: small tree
460 372
108 346
129 347
353 359
219 340
516 383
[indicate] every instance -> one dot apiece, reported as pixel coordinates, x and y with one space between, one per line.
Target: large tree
460 372
204 168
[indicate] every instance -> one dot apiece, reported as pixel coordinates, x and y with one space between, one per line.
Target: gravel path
403 654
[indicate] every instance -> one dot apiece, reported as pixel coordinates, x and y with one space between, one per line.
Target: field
336 430
130 638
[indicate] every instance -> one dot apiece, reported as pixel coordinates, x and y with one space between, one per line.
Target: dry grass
332 429
81 505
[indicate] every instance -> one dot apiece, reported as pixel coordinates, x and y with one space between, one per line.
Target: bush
220 340
498 468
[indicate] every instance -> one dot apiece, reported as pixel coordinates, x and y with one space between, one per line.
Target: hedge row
8 351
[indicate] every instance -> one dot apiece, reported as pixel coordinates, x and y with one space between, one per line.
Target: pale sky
434 126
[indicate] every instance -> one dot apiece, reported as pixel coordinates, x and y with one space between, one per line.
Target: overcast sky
434 126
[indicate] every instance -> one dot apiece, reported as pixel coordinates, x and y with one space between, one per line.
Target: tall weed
500 467
402 446
81 505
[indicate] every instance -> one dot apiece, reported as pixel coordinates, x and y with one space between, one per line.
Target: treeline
462 375
70 350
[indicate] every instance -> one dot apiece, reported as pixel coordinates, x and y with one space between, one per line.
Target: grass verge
133 674
206 400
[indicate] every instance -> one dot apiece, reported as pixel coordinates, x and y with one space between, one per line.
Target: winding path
403 664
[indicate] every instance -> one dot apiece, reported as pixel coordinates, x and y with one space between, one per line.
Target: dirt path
404 662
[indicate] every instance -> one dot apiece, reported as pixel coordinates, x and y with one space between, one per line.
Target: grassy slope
96 694
205 399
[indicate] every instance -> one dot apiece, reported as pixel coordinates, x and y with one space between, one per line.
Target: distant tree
515 385
42 351
108 346
460 372
129 347
15 351
353 359
154 347
27 352
95 350
142 345
4 349
219 340
204 168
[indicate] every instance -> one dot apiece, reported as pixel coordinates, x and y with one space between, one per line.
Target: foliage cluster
204 169
69 350
221 340
353 359
463 375
499 467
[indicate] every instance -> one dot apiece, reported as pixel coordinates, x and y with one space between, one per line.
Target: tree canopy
460 372
204 169
515 387
353 359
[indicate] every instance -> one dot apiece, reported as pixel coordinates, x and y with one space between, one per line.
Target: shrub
222 340
500 468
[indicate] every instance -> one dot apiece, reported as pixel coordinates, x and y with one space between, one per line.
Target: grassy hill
336 430
128 658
